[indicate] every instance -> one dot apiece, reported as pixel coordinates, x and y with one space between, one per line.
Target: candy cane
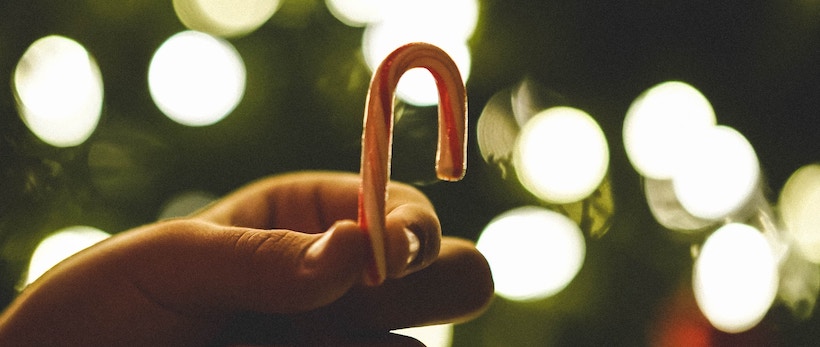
378 134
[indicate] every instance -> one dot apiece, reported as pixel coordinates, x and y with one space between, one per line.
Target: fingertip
341 249
462 253
331 265
413 239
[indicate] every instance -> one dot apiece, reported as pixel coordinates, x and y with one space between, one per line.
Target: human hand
279 261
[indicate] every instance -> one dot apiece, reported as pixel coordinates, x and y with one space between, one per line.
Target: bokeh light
226 18
661 123
503 116
59 91
667 209
718 174
533 252
496 132
798 203
561 155
447 25
799 283
440 335
357 13
185 203
61 245
196 79
735 277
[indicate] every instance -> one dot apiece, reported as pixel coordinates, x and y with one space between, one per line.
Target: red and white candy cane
377 137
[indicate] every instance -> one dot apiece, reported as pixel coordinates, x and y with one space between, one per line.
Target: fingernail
413 245
316 249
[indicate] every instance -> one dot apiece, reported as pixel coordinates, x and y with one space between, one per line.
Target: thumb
197 266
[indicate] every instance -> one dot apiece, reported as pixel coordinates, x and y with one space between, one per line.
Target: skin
278 262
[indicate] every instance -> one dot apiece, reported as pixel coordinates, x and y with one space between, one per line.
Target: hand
279 261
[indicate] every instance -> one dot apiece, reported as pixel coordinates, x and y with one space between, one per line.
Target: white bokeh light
447 25
533 252
417 86
196 79
798 204
561 155
59 91
718 175
440 335
61 245
661 123
226 18
735 278
357 13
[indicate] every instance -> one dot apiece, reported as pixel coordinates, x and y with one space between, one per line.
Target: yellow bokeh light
798 205
735 278
357 13
561 155
196 79
667 209
59 91
226 18
455 19
718 174
440 335
61 245
660 123
533 252
447 25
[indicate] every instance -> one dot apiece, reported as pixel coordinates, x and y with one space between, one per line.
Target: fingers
456 287
305 201
311 202
192 266
412 239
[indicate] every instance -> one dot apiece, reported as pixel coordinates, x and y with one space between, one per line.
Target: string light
533 252
61 245
718 174
357 13
561 155
225 18
196 79
735 277
439 335
798 207
59 91
663 122
449 27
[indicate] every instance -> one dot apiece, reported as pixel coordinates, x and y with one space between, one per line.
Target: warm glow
533 252
661 123
59 246
227 18
431 336
417 86
447 25
357 13
185 203
561 155
735 278
667 210
718 175
59 91
196 79
800 210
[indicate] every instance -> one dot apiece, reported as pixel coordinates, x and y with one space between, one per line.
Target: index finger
311 202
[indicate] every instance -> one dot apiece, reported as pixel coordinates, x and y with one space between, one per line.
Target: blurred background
119 113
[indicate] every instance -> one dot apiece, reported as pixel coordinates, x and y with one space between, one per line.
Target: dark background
756 61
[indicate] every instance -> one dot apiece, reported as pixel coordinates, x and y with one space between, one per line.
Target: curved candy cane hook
377 137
